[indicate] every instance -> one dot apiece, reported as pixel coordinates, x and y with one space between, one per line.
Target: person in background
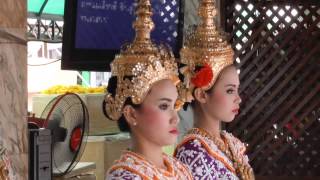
211 85
141 97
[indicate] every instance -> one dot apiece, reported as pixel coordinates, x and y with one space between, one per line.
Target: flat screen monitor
95 30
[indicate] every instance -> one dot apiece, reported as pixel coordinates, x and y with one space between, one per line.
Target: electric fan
67 118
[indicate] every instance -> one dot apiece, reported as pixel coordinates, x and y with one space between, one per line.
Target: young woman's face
223 100
157 119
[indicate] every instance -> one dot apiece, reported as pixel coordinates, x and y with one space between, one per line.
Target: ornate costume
134 167
206 53
138 66
212 158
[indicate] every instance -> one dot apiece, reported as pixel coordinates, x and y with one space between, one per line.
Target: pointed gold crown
205 46
139 64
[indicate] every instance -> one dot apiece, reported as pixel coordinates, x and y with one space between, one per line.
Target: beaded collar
137 164
232 148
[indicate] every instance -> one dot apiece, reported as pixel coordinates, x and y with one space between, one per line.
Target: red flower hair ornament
203 77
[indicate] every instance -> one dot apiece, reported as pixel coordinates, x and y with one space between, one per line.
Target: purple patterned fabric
203 165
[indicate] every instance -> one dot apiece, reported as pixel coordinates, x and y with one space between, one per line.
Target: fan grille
67 112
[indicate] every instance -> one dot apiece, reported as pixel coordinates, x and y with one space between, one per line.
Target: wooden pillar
13 87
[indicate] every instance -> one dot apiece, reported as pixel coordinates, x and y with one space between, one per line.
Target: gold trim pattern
206 45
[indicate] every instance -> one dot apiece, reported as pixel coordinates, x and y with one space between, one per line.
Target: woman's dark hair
122 122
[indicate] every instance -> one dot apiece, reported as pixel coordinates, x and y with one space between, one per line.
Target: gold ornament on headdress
205 46
142 61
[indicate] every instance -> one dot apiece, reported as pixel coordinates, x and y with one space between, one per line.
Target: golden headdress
205 47
139 64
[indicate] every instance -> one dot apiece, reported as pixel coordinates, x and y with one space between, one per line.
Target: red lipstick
174 131
236 111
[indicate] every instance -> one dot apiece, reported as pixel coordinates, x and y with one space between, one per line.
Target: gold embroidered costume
206 53
134 166
138 66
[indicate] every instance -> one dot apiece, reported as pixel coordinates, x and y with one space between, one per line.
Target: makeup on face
172 124
157 111
174 131
224 97
235 111
165 103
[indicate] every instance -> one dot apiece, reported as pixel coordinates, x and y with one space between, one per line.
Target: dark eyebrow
232 85
165 99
